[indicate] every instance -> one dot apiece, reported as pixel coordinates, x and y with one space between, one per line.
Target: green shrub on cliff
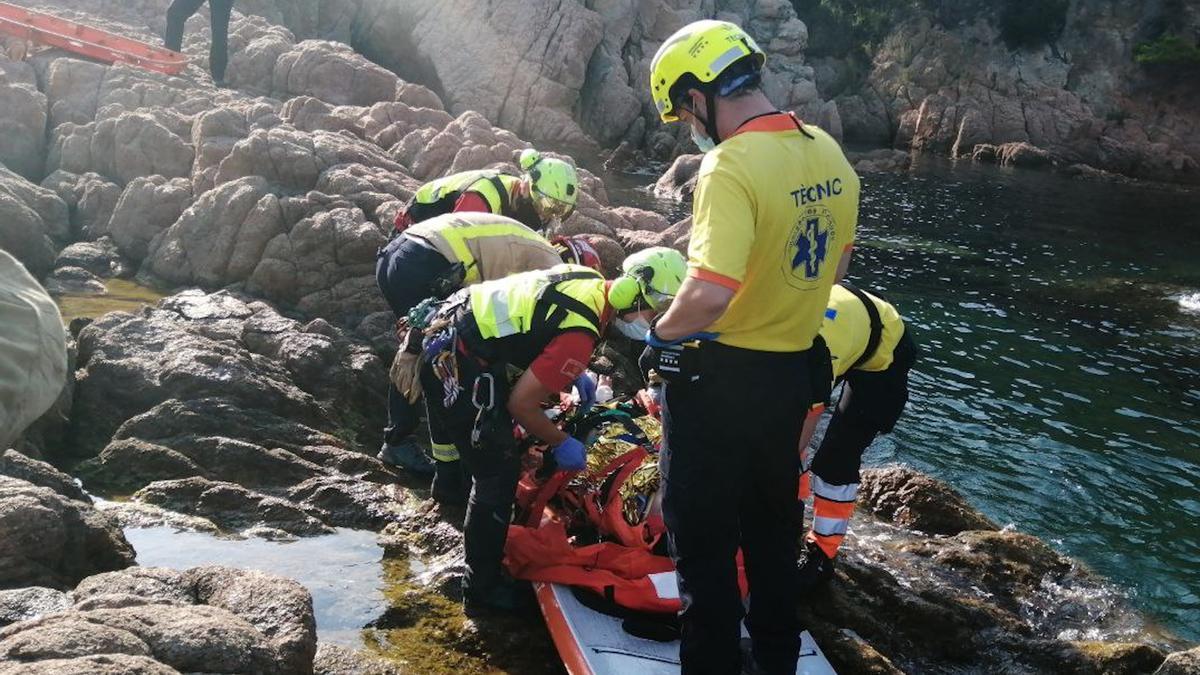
1032 23
846 27
1167 50
843 27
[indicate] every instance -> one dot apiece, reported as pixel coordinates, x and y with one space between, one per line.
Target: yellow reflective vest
518 316
488 246
495 188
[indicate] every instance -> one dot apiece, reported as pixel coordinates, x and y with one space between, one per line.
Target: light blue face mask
634 330
703 142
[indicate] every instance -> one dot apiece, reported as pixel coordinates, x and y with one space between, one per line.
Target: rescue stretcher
611 515
40 28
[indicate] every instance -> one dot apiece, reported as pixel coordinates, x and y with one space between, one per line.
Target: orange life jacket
628 577
623 570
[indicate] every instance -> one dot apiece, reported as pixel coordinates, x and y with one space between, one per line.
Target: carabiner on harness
488 380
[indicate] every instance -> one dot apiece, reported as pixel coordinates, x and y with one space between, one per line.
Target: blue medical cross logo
812 246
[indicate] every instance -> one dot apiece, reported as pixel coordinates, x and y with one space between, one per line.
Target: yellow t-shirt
847 329
773 213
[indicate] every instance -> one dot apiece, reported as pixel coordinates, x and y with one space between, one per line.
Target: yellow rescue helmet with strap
553 183
650 277
696 55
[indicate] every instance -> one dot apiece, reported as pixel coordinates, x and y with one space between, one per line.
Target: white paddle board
592 643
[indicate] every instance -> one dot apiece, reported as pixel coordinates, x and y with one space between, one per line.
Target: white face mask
634 330
703 142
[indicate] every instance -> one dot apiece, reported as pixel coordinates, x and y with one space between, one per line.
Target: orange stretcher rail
46 29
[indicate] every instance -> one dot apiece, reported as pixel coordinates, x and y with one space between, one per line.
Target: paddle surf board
592 643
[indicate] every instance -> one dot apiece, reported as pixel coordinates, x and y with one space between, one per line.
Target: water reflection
123 296
1058 387
343 571
1060 381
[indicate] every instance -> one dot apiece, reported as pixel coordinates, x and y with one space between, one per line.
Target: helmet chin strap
709 120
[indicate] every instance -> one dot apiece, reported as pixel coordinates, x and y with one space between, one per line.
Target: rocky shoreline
246 403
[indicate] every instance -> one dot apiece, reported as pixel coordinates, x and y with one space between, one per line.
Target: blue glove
653 340
587 392
570 455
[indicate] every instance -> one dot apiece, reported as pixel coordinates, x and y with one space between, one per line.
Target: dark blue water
1059 387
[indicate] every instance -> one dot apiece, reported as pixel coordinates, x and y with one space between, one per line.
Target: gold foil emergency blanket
639 488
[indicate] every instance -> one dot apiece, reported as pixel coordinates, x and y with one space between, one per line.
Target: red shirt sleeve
563 360
403 222
472 201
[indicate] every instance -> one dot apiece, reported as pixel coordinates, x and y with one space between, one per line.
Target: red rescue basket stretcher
45 29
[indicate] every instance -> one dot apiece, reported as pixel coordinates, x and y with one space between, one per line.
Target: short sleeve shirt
773 213
563 360
846 328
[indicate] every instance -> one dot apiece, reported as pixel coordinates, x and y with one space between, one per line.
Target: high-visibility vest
519 315
487 246
439 196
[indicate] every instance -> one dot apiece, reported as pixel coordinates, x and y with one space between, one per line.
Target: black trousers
873 403
405 271
731 466
219 11
494 468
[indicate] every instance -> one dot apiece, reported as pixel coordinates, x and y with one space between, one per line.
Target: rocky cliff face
285 184
956 88
943 81
564 71
573 72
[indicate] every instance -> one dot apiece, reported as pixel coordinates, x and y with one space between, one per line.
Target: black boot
450 486
816 570
505 596
408 455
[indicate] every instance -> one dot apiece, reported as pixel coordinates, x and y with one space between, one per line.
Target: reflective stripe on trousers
832 507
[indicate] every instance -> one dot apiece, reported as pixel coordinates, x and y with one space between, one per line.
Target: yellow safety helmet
701 50
553 183
650 277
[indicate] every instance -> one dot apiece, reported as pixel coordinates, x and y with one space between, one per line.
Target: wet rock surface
679 181
905 603
206 619
74 280
1181 663
19 604
34 222
54 540
338 660
100 258
233 413
16 465
913 500
229 506
882 160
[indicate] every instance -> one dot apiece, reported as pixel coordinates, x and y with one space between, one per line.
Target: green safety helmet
650 277
553 184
